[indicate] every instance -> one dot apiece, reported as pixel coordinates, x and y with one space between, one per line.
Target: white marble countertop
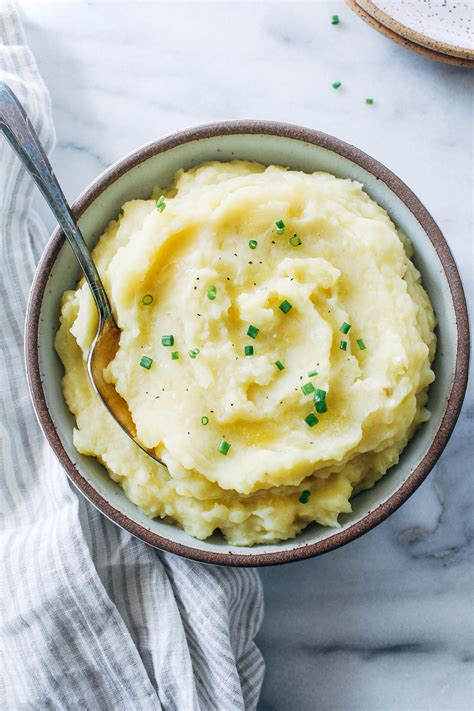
386 622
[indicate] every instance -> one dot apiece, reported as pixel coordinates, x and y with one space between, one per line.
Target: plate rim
412 35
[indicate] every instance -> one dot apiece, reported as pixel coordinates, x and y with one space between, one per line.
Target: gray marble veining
385 623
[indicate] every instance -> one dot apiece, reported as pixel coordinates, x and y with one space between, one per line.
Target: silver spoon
22 137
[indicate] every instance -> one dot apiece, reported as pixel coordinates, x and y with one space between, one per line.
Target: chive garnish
147 300
319 395
253 331
321 407
194 352
312 373
279 365
224 447
343 345
307 388
280 227
311 419
295 241
345 328
336 84
304 498
160 203
211 292
146 362
361 344
204 420
369 101
167 340
175 355
248 350
285 306
334 19
253 243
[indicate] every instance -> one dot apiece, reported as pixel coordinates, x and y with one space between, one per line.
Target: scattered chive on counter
285 306
147 299
253 331
160 203
211 292
279 365
307 388
345 328
304 498
336 84
280 227
146 362
361 344
312 373
248 350
224 447
334 19
343 345
167 340
253 243
369 101
175 355
311 419
194 352
295 241
204 420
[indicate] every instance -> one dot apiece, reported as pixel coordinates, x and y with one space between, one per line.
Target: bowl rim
454 401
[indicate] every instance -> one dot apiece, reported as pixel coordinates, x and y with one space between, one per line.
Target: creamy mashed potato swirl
339 261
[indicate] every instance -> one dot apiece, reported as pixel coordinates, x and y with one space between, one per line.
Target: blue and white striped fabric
93 618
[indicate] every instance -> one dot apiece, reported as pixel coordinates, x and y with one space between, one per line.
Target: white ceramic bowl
269 143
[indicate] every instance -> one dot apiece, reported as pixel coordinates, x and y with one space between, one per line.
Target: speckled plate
444 26
270 143
437 56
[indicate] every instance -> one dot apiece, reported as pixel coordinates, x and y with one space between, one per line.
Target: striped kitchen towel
93 618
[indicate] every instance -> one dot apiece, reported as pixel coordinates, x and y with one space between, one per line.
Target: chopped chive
320 407
248 350
361 344
312 373
295 241
147 300
304 498
336 84
253 243
280 227
160 203
211 292
319 395
369 101
343 345
311 419
224 447
146 362
307 388
253 331
345 328
285 306
204 420
175 355
335 20
194 352
279 365
167 340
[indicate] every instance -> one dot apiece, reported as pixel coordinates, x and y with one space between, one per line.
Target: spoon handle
22 137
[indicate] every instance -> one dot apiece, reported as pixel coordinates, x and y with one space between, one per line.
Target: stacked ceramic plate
439 29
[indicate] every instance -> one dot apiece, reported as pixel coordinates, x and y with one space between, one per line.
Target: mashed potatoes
304 345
